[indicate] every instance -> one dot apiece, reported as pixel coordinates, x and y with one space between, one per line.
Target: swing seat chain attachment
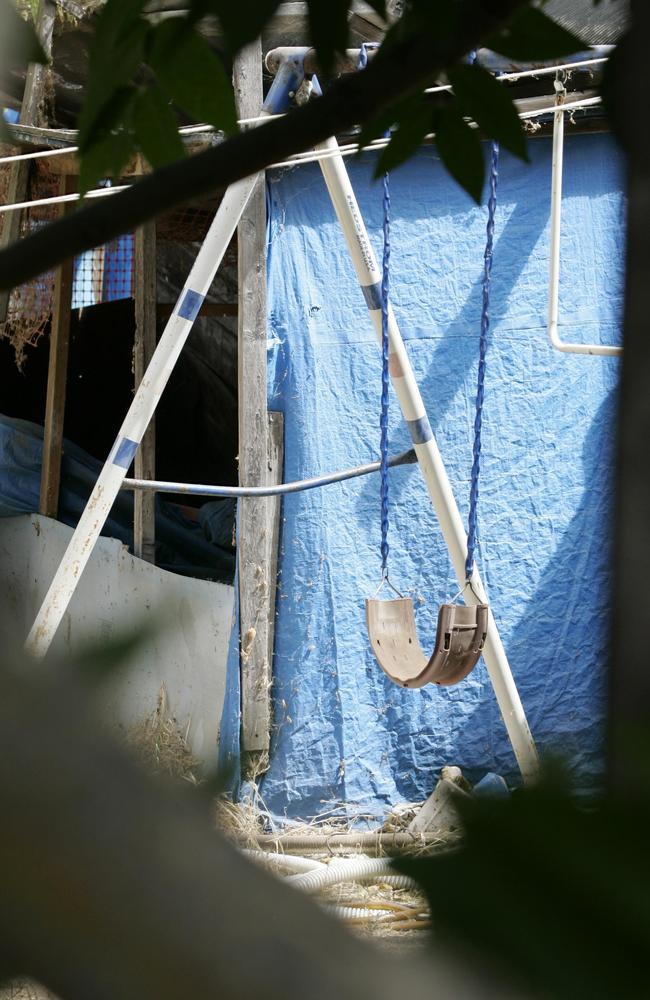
460 639
462 629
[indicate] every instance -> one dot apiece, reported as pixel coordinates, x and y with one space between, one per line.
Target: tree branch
408 66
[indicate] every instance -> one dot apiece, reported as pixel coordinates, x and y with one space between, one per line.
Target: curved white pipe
394 881
556 222
349 872
293 864
386 916
358 912
301 866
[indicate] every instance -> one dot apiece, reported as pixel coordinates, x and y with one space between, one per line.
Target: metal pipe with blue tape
298 486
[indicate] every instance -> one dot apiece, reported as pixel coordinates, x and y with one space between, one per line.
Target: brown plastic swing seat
459 642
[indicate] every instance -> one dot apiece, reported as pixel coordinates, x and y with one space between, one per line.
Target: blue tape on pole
420 430
190 305
125 453
372 295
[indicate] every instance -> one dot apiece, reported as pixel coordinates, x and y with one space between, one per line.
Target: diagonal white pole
151 388
137 419
426 448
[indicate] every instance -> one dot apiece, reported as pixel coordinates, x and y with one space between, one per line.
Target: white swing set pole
426 449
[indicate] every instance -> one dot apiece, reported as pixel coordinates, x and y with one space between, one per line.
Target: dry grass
161 747
400 919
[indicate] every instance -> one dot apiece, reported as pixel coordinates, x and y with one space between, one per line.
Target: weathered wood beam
275 477
29 114
57 375
144 512
254 523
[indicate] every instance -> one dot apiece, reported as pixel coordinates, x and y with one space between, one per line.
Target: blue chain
480 391
385 377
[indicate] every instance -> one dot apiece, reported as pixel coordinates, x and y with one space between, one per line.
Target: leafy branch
427 40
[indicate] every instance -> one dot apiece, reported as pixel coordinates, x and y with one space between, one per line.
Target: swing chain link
385 351
480 390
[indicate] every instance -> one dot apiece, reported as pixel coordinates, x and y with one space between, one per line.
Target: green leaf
106 157
328 30
532 36
412 126
192 75
19 44
488 102
116 53
156 128
388 117
460 151
111 143
115 22
98 661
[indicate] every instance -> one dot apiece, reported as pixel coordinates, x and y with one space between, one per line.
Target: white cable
197 129
350 148
59 199
523 74
38 153
549 70
310 156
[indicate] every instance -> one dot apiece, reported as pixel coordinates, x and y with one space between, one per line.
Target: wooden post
57 374
254 524
29 115
144 513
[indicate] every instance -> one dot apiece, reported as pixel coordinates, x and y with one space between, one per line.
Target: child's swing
462 629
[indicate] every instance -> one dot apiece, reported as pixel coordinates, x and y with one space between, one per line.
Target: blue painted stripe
125 453
190 305
372 295
420 430
287 80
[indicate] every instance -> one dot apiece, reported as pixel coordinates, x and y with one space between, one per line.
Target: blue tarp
343 731
182 546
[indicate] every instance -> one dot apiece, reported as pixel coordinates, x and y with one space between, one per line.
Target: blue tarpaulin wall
343 731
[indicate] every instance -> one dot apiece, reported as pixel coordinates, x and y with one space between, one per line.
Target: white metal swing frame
175 334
